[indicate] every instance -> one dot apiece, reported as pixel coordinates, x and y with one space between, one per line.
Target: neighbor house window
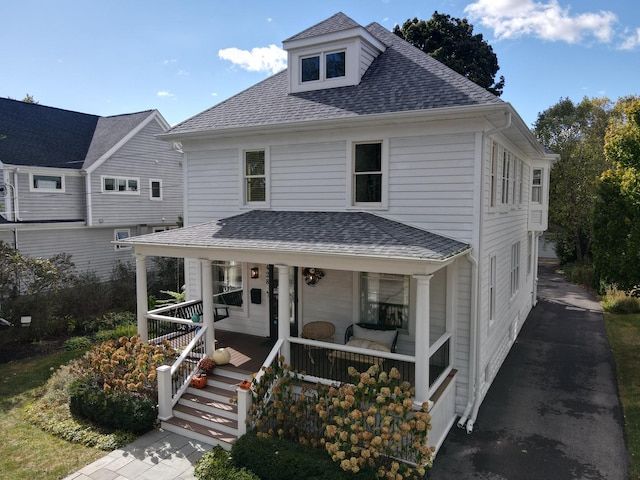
536 186
330 64
50 183
120 185
155 189
384 299
227 283
515 268
122 234
255 178
367 173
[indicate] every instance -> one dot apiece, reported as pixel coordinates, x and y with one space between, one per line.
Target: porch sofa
382 338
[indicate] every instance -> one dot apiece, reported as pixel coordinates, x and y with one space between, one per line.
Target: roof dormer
334 53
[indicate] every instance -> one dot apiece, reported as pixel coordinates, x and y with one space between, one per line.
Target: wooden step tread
198 400
202 429
207 416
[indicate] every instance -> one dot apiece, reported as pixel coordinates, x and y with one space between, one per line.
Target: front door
272 282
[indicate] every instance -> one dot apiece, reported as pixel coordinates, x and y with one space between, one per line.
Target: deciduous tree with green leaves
617 213
451 41
576 132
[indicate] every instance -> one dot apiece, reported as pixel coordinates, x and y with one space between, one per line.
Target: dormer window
332 64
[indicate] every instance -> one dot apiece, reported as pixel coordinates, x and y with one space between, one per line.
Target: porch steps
209 414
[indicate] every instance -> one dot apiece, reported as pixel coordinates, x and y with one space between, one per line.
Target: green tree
617 214
452 42
576 132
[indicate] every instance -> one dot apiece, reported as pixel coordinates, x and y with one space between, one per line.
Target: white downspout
473 341
477 395
16 215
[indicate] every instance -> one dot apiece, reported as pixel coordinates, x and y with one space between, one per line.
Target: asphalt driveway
553 411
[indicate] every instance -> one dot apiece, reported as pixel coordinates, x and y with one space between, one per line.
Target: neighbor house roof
333 233
400 79
40 136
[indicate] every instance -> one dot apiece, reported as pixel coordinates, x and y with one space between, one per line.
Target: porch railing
174 379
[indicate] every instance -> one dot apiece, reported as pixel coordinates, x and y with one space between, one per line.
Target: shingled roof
40 136
401 79
334 233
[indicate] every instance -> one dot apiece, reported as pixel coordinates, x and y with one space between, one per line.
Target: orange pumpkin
245 385
199 381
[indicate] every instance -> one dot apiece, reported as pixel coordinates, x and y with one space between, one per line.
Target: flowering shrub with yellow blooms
370 424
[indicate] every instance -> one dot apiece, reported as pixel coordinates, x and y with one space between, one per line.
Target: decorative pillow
359 343
380 347
380 336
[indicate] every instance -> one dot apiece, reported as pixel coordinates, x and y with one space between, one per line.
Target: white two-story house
73 183
375 185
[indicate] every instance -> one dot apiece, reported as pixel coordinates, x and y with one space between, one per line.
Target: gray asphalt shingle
342 233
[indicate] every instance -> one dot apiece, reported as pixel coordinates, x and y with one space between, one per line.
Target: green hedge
118 410
216 465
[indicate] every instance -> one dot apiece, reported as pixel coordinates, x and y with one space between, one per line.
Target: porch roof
332 233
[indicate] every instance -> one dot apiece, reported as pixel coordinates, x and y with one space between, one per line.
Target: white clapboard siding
46 206
143 157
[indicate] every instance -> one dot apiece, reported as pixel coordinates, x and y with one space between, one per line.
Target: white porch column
207 305
422 338
142 305
284 329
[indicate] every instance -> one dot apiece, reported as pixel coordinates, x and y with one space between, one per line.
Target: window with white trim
515 268
155 189
121 185
520 183
323 66
367 173
493 185
529 253
492 288
46 183
121 234
228 283
536 186
506 176
255 176
384 299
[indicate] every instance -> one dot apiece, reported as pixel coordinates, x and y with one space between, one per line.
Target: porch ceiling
349 234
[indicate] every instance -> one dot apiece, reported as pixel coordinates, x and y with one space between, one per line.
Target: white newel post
207 306
142 304
163 374
422 339
244 403
283 310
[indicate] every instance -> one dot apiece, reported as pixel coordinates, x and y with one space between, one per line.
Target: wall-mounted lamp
255 272
312 276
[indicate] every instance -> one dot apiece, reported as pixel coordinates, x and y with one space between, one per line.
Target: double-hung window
121 234
255 176
492 288
155 189
506 176
515 268
384 299
367 173
536 186
227 283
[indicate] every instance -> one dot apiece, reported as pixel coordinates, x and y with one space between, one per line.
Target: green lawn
624 337
26 452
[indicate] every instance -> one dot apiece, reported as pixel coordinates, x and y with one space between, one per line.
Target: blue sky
122 56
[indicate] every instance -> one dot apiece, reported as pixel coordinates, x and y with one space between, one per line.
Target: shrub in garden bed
216 465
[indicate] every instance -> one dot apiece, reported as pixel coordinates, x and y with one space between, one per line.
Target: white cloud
264 59
183 73
165 94
167 62
546 20
633 41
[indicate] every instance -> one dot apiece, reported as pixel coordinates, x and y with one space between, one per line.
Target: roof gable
400 79
41 136
335 23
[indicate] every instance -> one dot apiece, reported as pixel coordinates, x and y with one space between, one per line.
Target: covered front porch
369 272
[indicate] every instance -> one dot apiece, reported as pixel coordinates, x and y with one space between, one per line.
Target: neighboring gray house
72 182
418 194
